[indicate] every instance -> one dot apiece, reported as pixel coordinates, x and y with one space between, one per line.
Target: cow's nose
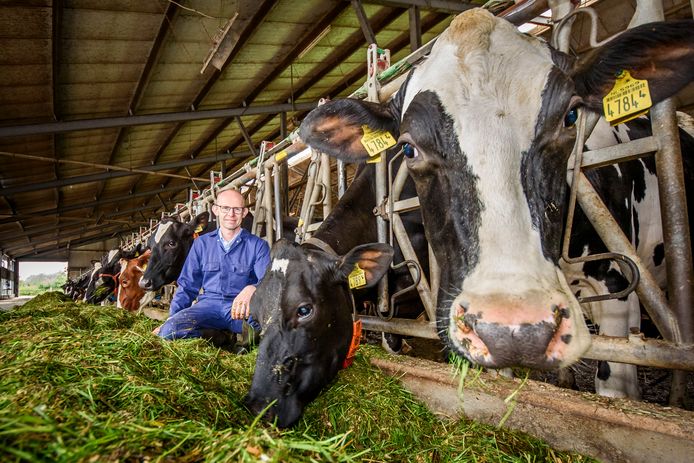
503 332
146 284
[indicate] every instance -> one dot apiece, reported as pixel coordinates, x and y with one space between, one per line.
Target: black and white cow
487 123
169 247
104 278
305 307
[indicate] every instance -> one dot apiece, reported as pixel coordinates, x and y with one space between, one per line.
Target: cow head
305 309
104 278
169 247
487 124
129 292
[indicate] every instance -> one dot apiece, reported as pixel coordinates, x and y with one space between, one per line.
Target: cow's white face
503 285
487 126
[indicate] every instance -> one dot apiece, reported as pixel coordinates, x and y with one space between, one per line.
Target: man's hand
241 307
155 331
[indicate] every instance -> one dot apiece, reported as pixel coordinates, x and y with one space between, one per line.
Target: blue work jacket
221 274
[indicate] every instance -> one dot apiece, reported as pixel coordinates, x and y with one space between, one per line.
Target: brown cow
130 296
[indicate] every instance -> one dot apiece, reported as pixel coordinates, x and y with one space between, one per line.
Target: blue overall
221 275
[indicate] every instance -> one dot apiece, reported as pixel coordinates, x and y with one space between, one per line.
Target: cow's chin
285 411
509 331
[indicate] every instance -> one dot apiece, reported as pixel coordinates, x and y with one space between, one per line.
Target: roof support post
364 22
415 28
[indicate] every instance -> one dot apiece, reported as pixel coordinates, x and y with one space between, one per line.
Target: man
227 265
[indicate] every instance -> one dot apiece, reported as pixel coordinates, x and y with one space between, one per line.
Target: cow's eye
571 117
304 311
171 244
409 151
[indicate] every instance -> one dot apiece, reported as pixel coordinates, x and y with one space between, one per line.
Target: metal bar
434 276
267 199
278 200
146 119
369 35
673 208
408 253
619 153
57 238
406 205
74 207
108 175
648 290
342 178
96 165
308 192
415 28
246 136
634 349
676 233
327 184
446 6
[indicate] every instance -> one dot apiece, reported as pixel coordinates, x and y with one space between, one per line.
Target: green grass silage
89 383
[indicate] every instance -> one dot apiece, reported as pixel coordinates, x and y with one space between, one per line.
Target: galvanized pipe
673 209
409 254
634 349
676 233
619 153
162 118
325 180
341 179
648 290
278 200
267 206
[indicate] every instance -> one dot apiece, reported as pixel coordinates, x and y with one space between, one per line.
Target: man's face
230 211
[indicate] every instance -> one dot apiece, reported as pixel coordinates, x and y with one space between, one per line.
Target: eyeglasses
227 209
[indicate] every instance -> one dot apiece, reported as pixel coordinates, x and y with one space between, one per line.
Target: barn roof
77 164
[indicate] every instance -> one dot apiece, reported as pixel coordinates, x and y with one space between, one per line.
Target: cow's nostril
463 325
559 313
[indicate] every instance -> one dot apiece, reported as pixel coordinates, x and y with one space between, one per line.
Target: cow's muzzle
504 331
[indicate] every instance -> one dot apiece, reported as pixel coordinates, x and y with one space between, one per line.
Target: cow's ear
661 53
199 223
337 127
372 259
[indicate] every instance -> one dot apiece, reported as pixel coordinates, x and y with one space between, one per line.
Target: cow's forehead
483 64
112 254
161 231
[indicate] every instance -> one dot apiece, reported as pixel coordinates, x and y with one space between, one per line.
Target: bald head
230 210
230 198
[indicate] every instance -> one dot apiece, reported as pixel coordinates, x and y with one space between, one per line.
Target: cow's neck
351 222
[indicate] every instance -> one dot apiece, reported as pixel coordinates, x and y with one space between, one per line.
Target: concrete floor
7 304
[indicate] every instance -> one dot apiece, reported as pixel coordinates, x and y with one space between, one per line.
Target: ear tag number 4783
357 278
628 99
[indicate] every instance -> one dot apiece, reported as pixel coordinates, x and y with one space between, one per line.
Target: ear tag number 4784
357 278
376 141
628 99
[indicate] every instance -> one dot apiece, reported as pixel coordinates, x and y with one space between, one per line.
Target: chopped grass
89 383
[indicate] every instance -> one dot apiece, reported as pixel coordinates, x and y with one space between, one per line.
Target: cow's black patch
659 254
544 190
447 190
603 370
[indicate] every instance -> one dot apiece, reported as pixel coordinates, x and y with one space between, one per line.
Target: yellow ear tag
628 99
199 228
357 278
144 267
375 160
281 155
376 141
301 222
